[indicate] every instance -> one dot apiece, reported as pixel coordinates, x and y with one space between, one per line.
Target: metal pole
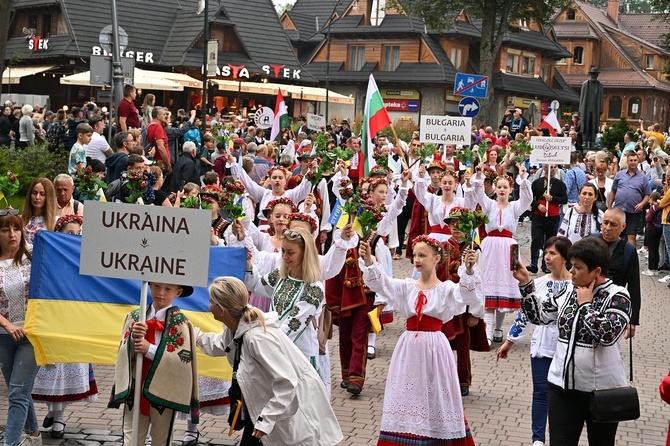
330 21
117 74
205 38
139 358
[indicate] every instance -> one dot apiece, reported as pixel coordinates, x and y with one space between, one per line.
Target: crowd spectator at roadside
40 210
49 117
73 121
147 106
26 127
574 179
157 138
127 114
186 168
77 158
64 188
116 163
97 148
5 126
57 133
160 197
630 193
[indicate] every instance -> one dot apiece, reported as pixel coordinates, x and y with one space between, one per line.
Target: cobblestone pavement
498 407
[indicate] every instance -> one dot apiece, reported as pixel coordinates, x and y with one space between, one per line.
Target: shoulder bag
618 404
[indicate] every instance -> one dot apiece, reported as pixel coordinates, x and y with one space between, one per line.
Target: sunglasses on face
291 235
4 212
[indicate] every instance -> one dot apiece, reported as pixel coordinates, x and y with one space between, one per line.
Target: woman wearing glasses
40 208
295 289
16 351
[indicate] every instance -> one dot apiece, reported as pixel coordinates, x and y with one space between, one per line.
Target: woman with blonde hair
40 209
147 106
296 290
282 398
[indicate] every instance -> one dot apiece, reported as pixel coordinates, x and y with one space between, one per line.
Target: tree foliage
498 17
614 135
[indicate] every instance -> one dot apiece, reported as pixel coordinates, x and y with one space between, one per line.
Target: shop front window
614 109
635 107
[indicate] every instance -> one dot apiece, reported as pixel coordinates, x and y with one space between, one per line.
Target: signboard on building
37 43
549 150
101 70
405 105
263 117
445 129
148 243
315 122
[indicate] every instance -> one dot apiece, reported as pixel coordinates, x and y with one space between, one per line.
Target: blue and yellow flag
77 318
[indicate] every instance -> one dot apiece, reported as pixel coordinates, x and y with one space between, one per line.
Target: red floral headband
504 177
65 219
376 182
430 241
301 216
279 168
282 200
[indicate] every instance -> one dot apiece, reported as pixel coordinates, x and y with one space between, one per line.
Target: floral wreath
456 212
437 165
376 182
430 241
281 200
489 174
448 173
301 216
211 194
65 219
504 177
377 170
281 169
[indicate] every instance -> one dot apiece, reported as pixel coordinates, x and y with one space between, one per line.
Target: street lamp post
117 73
205 38
330 21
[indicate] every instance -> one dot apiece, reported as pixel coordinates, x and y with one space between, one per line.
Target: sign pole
117 76
139 359
205 38
546 211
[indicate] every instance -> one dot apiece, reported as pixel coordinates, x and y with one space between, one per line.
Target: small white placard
148 243
550 150
315 122
445 129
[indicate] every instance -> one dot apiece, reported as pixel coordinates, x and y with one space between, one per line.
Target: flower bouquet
9 185
231 200
521 148
351 199
88 183
466 156
194 202
381 158
468 222
368 219
139 185
425 152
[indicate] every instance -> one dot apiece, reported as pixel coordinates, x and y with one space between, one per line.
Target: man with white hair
64 186
185 169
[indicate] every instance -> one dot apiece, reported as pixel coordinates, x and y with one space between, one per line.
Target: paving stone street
498 407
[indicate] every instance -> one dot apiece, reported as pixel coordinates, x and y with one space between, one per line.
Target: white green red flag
375 118
281 120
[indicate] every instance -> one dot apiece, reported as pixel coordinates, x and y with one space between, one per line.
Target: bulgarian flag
375 118
550 123
281 120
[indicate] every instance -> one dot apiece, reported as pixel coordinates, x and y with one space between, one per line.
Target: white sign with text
148 243
315 122
550 150
445 129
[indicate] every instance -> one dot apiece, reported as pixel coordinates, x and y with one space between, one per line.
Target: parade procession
334 222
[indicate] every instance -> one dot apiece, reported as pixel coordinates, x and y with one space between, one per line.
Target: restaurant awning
147 79
182 79
295 91
13 75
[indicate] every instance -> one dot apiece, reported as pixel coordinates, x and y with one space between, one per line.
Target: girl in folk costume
438 207
502 292
58 385
278 177
420 222
492 160
296 290
422 401
584 218
351 303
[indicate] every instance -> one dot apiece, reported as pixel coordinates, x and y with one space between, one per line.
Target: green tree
614 135
498 17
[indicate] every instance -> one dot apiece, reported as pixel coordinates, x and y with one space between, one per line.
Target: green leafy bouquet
231 200
521 148
468 221
425 152
466 156
194 202
88 183
369 218
9 185
350 198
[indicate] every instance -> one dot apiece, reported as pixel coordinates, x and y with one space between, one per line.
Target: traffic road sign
471 85
554 106
468 107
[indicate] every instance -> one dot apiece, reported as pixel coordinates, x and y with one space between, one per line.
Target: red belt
426 323
500 233
437 229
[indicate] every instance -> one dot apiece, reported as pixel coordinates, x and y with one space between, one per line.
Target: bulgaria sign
550 150
445 129
147 243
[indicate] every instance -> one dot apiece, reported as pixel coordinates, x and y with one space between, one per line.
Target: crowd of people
307 271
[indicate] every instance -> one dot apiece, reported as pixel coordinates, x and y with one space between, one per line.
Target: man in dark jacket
116 162
185 169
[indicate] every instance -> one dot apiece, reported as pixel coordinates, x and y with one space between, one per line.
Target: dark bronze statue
590 108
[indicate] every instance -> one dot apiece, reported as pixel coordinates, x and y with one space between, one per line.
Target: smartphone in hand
514 257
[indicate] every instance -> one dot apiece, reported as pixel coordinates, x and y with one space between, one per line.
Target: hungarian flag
550 123
375 118
281 120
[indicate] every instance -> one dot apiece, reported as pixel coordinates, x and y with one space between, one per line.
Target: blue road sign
468 107
471 85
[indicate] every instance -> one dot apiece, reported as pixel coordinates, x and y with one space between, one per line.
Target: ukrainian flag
77 318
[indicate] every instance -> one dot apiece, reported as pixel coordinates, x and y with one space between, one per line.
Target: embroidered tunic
14 282
577 225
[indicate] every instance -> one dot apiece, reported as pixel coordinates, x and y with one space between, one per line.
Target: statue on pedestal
590 108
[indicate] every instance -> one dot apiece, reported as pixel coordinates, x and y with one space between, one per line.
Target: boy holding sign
169 373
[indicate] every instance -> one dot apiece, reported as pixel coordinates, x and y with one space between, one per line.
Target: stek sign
550 150
147 243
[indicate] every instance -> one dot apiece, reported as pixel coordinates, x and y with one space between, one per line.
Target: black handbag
236 416
618 404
